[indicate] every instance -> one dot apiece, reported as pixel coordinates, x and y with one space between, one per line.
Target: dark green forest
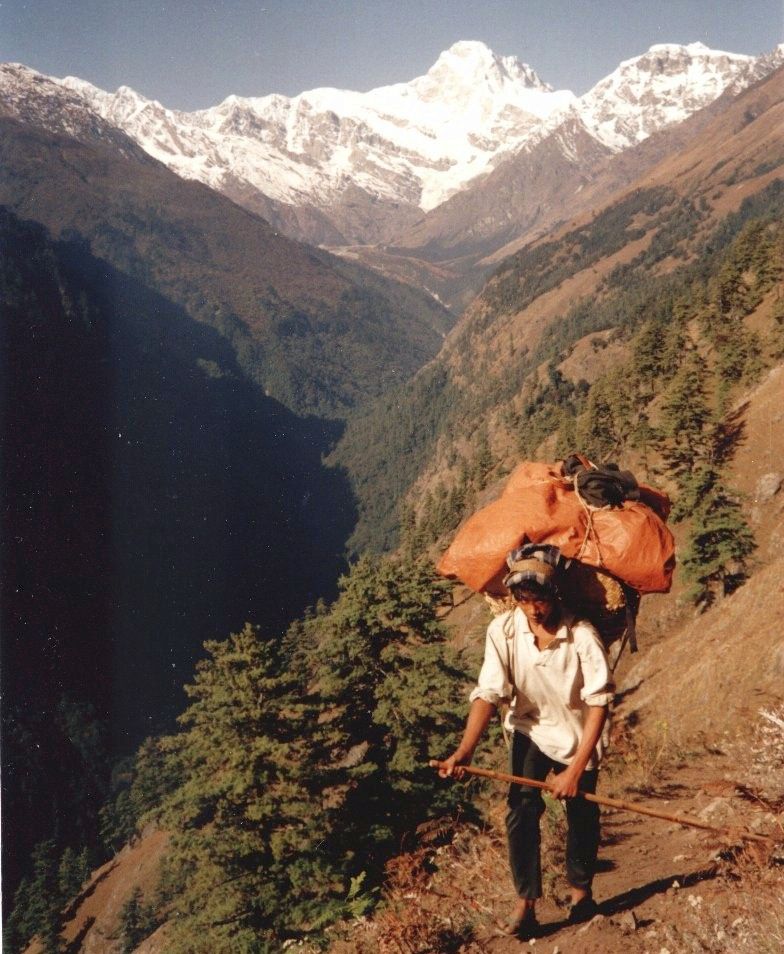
152 498
299 769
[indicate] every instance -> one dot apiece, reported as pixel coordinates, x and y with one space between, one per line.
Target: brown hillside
689 738
92 920
732 155
725 152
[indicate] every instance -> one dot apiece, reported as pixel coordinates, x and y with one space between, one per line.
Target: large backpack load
609 528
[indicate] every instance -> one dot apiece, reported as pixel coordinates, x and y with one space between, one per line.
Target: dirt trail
660 886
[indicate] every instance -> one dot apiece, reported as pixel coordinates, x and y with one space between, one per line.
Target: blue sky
193 53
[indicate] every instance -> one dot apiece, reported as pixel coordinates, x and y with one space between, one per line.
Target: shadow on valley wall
152 499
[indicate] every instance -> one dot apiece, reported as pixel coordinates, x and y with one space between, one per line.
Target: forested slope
636 263
152 498
298 775
173 373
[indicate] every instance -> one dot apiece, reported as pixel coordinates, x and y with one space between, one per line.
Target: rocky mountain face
386 154
338 168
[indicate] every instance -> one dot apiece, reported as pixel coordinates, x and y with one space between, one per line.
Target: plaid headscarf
533 563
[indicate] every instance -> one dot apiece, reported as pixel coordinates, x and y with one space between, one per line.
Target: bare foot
522 923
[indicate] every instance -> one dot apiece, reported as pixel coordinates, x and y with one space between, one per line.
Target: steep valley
174 373
207 424
154 498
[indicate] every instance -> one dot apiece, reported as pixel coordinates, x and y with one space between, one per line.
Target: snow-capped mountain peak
469 64
415 142
660 87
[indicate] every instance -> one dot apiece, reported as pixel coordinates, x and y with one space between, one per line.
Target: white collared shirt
549 691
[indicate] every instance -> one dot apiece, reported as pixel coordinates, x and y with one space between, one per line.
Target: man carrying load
552 670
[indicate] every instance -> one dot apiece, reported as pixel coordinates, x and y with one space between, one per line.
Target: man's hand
566 784
453 766
479 715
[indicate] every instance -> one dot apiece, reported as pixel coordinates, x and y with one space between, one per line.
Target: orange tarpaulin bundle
540 505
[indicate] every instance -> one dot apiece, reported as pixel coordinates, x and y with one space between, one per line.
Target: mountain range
346 169
315 331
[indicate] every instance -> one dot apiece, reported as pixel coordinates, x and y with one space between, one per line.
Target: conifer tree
136 922
391 689
720 545
139 786
483 461
37 904
245 869
609 417
72 872
18 925
647 357
686 433
777 336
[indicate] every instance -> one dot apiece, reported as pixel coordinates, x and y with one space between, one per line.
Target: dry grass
766 768
743 914
641 756
748 916
422 911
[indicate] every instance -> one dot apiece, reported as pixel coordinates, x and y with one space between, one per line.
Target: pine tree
136 922
18 927
247 820
730 291
777 335
610 415
139 786
37 904
647 357
391 688
686 430
72 872
738 360
720 545
483 461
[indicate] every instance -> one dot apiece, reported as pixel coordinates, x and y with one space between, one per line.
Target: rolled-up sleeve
598 683
494 685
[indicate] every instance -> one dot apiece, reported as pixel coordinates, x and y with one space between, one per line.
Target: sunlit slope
607 272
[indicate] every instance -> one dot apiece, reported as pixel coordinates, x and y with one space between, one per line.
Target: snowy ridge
414 142
39 100
409 145
662 87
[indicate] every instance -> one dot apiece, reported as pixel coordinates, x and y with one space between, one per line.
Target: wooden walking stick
616 803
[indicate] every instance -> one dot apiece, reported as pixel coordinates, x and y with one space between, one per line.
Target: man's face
537 609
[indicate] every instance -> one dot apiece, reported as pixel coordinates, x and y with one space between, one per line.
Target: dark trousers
526 805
